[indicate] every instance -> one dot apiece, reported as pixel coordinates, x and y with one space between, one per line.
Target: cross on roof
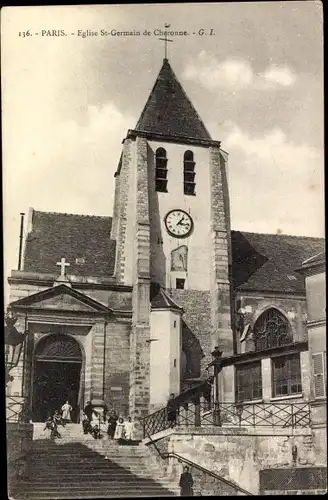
165 39
62 265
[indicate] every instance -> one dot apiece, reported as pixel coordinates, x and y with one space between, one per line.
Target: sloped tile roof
169 111
269 261
160 300
260 262
72 236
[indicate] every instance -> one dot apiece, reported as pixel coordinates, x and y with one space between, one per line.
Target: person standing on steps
66 412
119 431
129 430
112 421
171 411
186 483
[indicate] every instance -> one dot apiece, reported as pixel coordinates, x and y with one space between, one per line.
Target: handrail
199 467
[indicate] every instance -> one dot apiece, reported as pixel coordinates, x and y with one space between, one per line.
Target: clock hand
180 222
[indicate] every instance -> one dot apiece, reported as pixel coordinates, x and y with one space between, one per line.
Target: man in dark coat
88 409
186 483
171 411
112 420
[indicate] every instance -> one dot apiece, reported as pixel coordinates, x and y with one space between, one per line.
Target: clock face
178 223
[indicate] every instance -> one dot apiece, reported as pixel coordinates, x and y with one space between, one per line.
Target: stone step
45 495
82 467
136 483
78 466
90 444
92 454
95 488
69 476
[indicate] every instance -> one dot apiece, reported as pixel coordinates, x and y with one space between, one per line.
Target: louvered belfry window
161 170
319 374
271 329
189 173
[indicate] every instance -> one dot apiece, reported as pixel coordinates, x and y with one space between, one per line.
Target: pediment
61 298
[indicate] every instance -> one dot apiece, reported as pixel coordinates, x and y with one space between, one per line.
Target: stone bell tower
172 227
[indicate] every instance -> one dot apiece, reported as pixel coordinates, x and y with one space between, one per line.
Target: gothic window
189 173
249 381
271 329
161 170
286 371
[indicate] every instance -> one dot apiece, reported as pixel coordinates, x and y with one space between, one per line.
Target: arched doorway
57 376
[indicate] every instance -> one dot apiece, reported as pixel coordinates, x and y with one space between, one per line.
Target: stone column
266 379
116 209
221 256
139 343
97 366
305 360
121 223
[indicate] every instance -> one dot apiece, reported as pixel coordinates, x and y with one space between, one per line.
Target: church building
127 308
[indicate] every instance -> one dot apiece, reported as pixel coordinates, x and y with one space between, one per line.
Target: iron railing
16 409
281 415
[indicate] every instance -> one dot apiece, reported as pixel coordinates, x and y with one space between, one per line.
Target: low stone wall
19 443
238 454
294 481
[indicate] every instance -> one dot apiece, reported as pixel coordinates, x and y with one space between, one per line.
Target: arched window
271 329
161 170
189 173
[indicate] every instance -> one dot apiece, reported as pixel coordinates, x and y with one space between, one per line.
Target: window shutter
318 375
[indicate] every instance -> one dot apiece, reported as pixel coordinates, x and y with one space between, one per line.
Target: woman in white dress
119 431
66 412
129 430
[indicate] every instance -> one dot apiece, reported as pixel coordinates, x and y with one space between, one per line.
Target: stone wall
117 365
19 443
294 481
196 307
238 454
140 333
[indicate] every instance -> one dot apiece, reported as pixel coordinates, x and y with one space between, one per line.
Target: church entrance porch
56 376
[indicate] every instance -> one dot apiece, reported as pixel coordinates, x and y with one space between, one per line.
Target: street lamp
14 341
216 355
239 411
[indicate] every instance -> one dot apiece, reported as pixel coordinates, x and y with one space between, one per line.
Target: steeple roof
169 111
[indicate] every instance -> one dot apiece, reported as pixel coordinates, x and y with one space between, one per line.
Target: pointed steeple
169 111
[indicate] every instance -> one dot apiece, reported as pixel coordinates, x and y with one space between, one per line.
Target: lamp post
14 341
239 412
216 355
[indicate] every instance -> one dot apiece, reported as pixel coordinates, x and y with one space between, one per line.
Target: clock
178 223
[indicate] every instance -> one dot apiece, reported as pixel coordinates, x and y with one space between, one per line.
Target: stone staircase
78 466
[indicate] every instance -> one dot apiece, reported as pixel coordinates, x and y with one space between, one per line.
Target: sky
68 101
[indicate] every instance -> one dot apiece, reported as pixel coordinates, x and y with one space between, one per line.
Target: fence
16 409
281 415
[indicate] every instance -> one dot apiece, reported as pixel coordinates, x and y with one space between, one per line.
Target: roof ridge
313 257
75 215
193 107
169 299
161 291
279 234
160 98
